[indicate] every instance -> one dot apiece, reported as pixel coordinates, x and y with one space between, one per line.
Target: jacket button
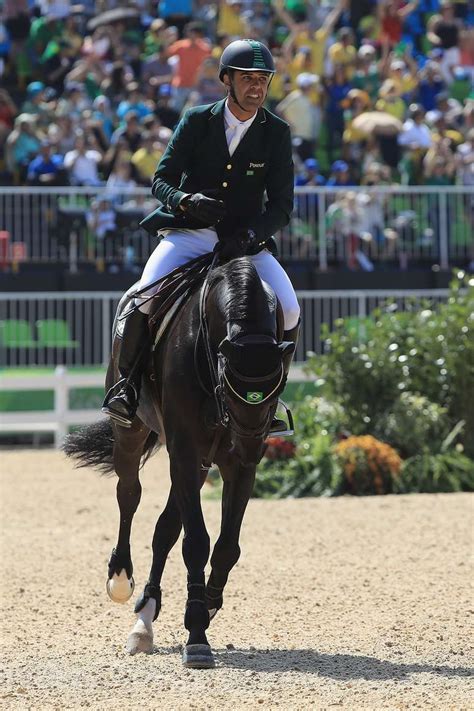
224 184
229 166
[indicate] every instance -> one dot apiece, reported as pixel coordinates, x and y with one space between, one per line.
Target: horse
209 392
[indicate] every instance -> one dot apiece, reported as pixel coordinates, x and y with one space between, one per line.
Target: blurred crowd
375 91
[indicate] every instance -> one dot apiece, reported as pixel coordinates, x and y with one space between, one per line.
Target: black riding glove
243 241
204 208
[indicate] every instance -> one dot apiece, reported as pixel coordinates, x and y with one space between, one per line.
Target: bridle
222 389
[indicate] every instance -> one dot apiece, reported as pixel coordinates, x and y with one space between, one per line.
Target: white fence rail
61 417
330 226
74 329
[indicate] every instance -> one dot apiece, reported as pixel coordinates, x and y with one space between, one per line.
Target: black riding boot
279 426
121 402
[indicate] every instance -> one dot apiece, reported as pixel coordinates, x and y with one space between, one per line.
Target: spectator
130 132
405 78
367 75
392 16
134 102
8 111
337 89
390 100
21 145
310 175
119 181
57 62
101 221
208 85
465 161
191 52
176 13
164 111
82 163
302 115
445 35
155 39
157 69
340 176
103 116
146 158
303 35
430 85
343 53
230 21
47 168
415 133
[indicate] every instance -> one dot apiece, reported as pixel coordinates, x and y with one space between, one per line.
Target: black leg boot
279 426
121 402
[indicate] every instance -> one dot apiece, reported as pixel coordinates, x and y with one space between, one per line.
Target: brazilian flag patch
254 396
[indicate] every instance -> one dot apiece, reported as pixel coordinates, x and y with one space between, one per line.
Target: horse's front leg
148 606
128 448
186 482
236 492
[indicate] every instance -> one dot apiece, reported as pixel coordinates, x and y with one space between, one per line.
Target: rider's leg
273 274
173 251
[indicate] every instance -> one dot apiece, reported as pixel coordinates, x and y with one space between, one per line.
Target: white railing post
443 231
323 247
61 403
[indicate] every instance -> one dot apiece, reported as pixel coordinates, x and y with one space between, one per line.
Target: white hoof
119 587
140 639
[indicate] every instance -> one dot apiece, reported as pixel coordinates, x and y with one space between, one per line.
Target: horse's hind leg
128 449
237 489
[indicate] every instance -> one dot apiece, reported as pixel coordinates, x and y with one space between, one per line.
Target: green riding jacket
256 183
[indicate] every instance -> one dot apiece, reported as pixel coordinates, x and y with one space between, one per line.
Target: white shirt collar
232 121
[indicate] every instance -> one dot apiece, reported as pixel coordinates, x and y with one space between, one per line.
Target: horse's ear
228 348
286 348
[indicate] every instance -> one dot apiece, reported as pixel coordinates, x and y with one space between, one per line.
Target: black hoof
118 562
198 656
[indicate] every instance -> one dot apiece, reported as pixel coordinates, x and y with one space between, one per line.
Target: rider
227 170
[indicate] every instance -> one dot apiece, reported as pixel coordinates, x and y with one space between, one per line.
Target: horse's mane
241 293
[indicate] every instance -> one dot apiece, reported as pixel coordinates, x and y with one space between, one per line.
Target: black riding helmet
246 55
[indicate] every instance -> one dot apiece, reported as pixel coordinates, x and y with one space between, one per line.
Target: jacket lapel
217 134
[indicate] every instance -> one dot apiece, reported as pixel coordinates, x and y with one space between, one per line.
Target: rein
222 414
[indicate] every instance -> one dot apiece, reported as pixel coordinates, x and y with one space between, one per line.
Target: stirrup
113 392
290 429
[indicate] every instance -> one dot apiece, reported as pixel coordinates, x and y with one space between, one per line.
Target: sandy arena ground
357 603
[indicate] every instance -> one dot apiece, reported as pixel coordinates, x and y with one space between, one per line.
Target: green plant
427 351
435 473
413 425
311 471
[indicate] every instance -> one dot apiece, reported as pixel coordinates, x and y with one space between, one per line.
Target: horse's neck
259 318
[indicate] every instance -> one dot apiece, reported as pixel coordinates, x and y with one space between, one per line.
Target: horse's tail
93 446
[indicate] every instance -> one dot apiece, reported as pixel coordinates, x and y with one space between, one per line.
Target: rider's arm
173 164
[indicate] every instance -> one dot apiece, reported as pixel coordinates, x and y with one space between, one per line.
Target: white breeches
179 246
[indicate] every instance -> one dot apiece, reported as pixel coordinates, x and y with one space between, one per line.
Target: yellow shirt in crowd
230 22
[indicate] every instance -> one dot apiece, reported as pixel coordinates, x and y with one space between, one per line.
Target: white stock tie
239 128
